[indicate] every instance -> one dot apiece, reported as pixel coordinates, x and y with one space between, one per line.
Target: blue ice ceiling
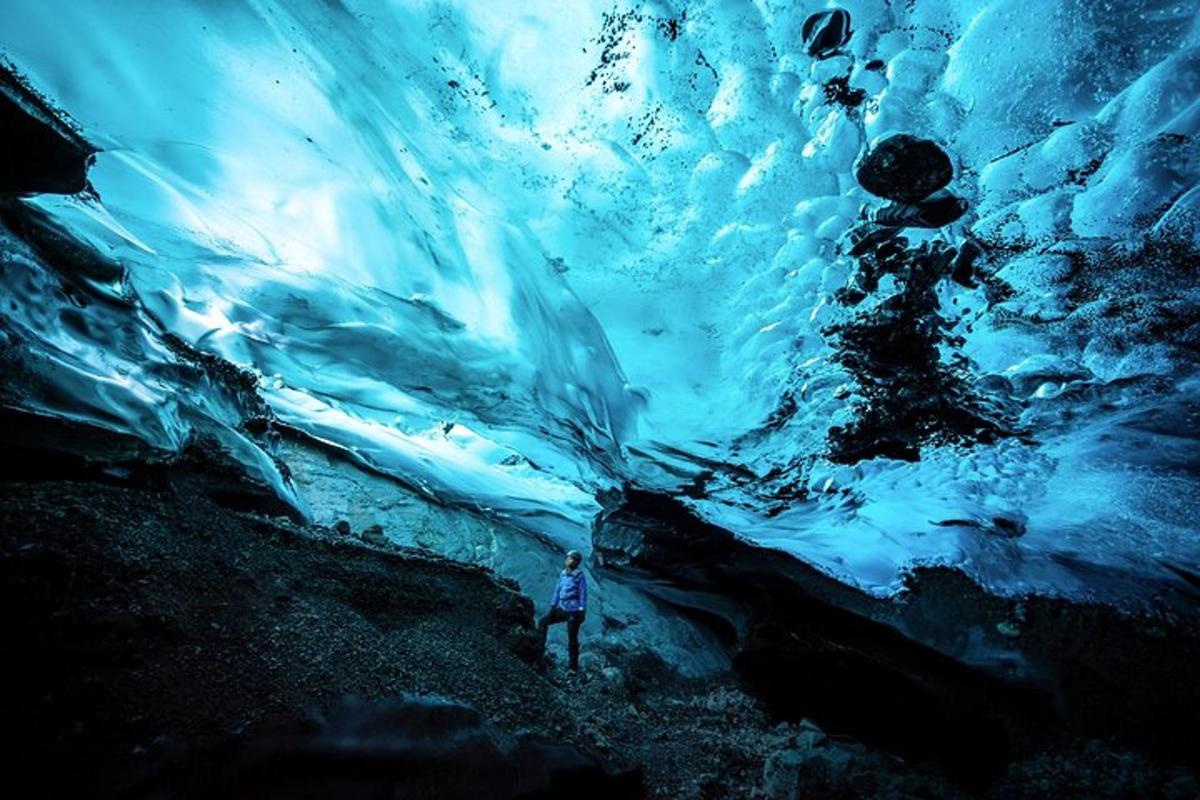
518 252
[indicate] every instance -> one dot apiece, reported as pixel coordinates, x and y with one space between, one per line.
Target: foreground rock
148 631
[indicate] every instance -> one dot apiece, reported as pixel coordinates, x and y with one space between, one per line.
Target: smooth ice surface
518 252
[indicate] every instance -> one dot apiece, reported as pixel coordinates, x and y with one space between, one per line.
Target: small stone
374 535
1008 528
1006 628
341 527
839 92
963 266
826 32
904 168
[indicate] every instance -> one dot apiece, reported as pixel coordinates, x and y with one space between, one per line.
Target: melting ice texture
517 252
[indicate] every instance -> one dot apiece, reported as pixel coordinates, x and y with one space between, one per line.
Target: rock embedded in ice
1070 123
904 168
826 32
936 211
838 90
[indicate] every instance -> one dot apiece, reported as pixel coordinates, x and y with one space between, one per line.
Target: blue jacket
570 593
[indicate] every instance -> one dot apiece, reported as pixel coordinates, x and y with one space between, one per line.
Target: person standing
569 605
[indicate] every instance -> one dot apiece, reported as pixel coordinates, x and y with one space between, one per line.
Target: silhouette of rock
904 168
826 32
939 209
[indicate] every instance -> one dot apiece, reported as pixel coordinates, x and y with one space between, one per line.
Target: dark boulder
826 32
939 209
963 265
904 168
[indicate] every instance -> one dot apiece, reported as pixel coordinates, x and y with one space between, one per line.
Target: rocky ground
151 633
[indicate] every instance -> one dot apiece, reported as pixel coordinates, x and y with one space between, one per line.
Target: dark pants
573 619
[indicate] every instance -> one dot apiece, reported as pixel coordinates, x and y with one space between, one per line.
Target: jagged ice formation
516 257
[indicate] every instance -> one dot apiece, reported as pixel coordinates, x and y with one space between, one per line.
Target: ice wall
515 253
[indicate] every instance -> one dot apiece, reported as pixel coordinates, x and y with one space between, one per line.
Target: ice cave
852 349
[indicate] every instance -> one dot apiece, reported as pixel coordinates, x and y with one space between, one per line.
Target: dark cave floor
154 639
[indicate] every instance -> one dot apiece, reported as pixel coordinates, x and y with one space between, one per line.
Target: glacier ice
514 255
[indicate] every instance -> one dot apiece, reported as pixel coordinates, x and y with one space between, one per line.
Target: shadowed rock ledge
153 634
